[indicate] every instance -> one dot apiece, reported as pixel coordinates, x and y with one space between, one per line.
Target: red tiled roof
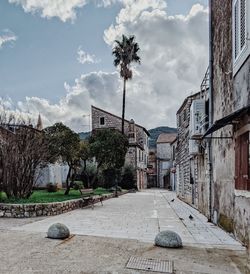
166 138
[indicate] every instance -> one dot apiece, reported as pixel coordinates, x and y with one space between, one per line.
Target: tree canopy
109 148
126 52
64 144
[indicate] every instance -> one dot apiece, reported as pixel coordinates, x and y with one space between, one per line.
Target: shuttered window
236 30
243 34
241 30
240 27
242 162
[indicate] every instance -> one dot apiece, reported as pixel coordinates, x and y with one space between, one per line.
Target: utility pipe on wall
211 59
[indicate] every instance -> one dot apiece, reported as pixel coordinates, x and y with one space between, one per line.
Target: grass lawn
43 196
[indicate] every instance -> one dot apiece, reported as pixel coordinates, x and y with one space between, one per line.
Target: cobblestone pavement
140 216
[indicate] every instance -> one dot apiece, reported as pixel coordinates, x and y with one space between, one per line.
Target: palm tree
125 53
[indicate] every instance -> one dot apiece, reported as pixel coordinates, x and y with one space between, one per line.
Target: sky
56 58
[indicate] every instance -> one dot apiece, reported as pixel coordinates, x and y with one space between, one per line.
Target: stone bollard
58 231
168 238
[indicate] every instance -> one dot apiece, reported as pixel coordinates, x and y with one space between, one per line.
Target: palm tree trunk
123 104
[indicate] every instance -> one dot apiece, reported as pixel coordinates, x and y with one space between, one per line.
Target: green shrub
110 177
52 187
128 178
112 189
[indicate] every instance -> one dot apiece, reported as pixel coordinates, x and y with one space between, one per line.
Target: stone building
164 159
187 150
173 169
137 155
152 168
213 173
228 199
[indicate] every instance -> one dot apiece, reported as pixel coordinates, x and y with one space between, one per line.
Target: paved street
127 226
141 216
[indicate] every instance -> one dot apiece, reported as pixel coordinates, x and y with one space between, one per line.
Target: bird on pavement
190 217
172 200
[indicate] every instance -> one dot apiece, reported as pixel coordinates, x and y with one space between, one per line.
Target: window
131 135
184 115
241 48
179 120
242 162
102 121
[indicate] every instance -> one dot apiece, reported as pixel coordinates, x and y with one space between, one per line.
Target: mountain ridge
155 132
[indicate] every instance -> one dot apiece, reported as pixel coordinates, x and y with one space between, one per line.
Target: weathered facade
216 178
230 201
164 159
186 160
173 174
137 155
152 168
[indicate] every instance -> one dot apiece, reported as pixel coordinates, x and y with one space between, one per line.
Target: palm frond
125 52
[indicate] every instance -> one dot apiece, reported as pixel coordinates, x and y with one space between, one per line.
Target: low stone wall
42 209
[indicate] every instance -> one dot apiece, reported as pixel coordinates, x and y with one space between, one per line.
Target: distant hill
155 132
84 135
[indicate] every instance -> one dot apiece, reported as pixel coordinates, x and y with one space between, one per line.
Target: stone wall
42 209
203 183
223 98
164 151
35 210
184 188
182 152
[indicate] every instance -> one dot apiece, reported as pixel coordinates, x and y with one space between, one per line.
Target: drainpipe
209 143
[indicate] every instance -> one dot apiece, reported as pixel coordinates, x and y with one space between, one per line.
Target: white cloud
7 36
107 3
95 88
65 10
84 57
174 59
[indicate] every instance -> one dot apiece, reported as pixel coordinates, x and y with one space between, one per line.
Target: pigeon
172 200
190 217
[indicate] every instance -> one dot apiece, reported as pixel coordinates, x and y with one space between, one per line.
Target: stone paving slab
141 216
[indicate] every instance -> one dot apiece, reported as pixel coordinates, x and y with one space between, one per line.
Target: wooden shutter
237 163
245 160
242 180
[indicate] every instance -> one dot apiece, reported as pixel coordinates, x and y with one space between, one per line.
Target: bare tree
23 151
